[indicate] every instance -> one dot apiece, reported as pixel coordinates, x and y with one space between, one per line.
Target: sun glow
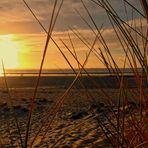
9 49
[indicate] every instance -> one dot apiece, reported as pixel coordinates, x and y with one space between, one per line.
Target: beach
69 121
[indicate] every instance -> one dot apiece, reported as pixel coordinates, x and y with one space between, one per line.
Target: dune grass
123 131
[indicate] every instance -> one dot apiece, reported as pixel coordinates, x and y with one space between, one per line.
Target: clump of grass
133 53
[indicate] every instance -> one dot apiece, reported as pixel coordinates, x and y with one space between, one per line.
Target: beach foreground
75 123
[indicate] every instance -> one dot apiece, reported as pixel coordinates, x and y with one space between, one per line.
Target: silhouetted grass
121 130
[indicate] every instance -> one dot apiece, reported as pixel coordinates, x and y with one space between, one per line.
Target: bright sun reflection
9 51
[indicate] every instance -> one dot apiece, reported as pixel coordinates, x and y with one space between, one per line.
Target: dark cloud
15 13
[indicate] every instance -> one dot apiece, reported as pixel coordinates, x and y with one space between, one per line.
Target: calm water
61 79
65 72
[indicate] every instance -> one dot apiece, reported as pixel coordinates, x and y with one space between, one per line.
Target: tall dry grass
133 54
124 131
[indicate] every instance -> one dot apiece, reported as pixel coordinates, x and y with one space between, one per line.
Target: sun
9 49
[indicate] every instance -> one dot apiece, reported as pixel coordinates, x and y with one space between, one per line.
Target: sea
65 72
55 78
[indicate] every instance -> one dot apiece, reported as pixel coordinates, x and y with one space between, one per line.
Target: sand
74 124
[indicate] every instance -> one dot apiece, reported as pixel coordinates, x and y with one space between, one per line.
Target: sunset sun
9 51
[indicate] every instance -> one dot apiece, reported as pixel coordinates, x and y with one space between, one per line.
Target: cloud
16 18
37 40
16 10
13 11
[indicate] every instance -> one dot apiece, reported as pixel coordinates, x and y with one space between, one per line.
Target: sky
22 40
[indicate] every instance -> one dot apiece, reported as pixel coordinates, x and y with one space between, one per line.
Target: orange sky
22 40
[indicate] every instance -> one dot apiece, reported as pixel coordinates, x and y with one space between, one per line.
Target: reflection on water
64 72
